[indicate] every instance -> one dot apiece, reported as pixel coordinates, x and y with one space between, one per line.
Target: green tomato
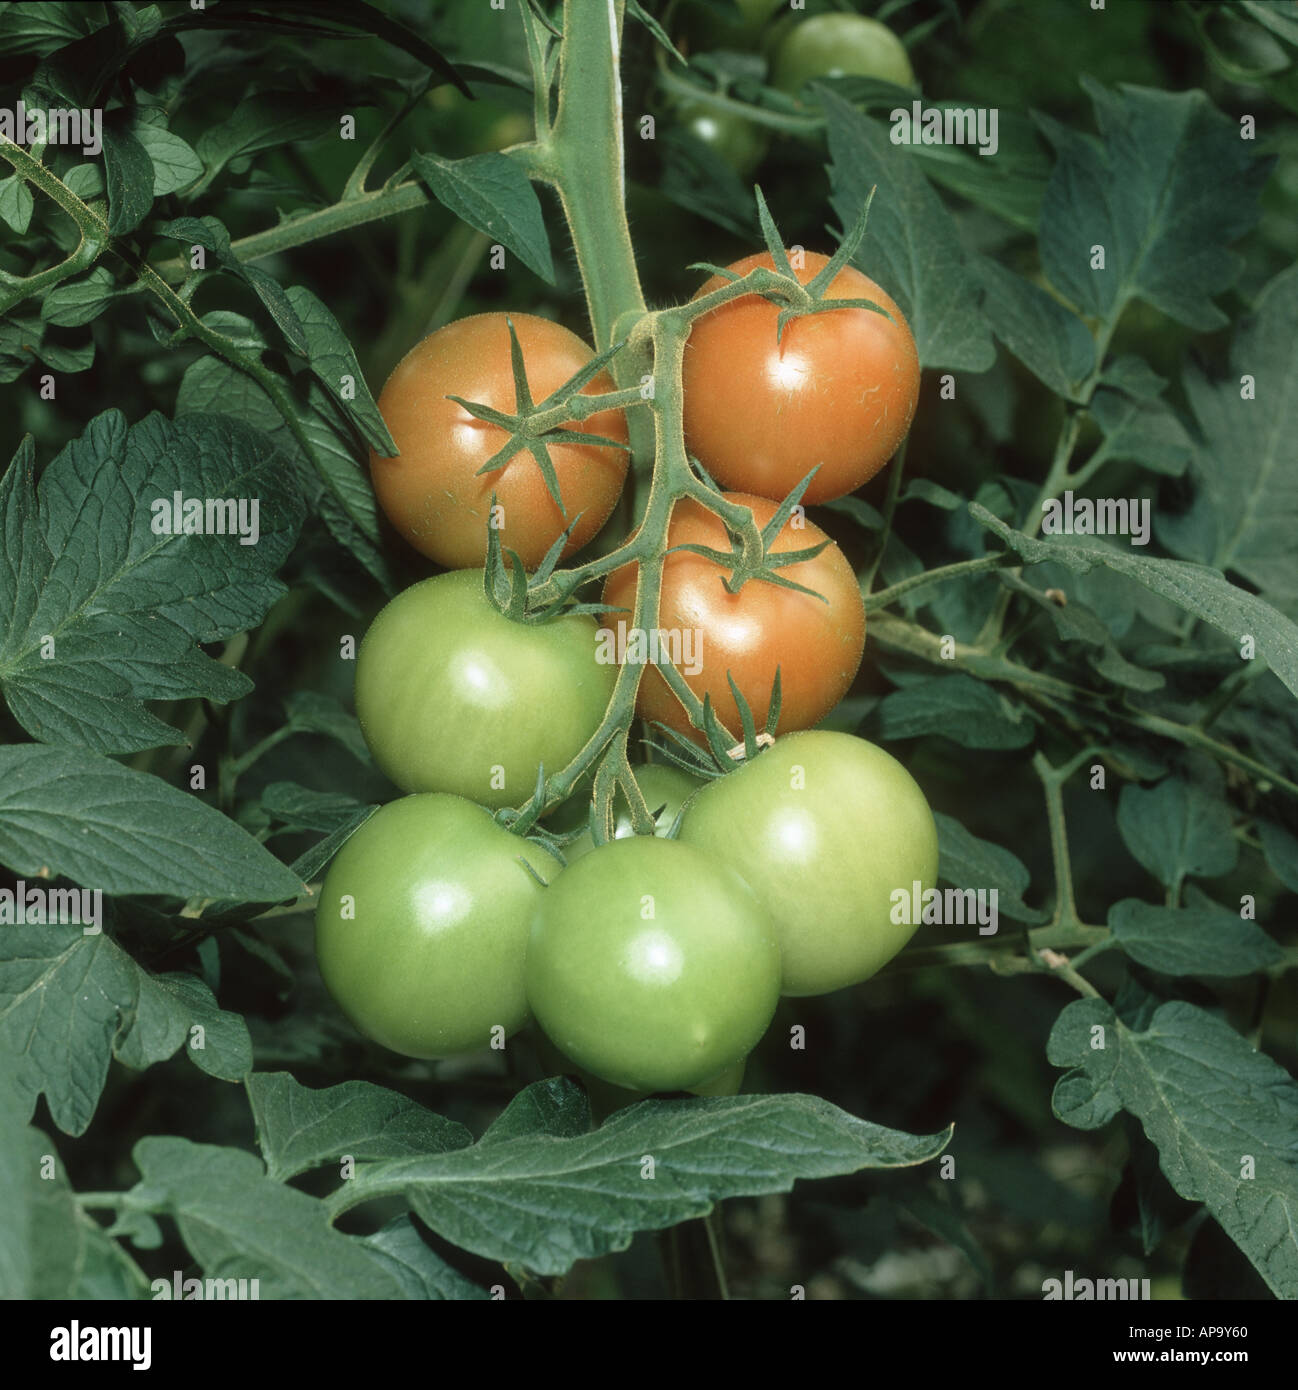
757 12
823 827
454 697
738 141
726 1083
421 928
661 785
651 965
605 1098
839 45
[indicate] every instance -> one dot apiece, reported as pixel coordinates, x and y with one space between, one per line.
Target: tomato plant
554 765
840 45
837 841
422 926
836 391
665 790
445 692
651 965
813 639
434 490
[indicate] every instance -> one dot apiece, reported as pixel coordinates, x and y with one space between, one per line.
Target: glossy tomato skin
739 142
660 785
823 827
816 645
837 392
838 45
421 927
431 492
651 965
605 1098
454 697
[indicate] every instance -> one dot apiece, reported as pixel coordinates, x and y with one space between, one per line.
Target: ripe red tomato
816 645
432 492
838 390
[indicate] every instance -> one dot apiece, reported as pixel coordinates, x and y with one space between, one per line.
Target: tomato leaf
547 1199
1210 1103
111 590
70 1003
299 1128
1137 192
1205 940
492 193
1195 588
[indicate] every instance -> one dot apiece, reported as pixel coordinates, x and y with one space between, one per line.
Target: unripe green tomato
840 45
421 928
605 1098
660 785
739 142
651 965
823 827
452 696
726 1083
757 12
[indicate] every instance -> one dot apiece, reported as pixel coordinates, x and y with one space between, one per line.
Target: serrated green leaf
1142 431
1191 941
546 1201
554 1107
100 611
299 1128
75 814
75 302
69 1003
240 1224
16 204
1049 340
128 177
175 164
1139 192
912 247
492 193
963 709
1195 588
1209 1102
1245 511
965 861
421 1272
1182 826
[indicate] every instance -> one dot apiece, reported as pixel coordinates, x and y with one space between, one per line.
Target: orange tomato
838 391
432 493
816 643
